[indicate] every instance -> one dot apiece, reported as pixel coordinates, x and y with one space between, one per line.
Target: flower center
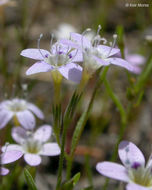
140 175
32 146
58 59
16 105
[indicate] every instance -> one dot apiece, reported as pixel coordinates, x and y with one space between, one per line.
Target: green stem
123 123
66 122
81 123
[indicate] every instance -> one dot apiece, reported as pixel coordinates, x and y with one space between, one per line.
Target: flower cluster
30 144
33 144
65 54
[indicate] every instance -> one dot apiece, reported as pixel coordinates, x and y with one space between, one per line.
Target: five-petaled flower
21 110
134 172
8 157
96 55
60 60
33 144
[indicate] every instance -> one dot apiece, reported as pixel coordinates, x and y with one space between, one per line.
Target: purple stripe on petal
36 110
71 72
136 165
43 133
39 67
129 151
26 119
4 171
113 170
10 156
32 159
50 149
35 53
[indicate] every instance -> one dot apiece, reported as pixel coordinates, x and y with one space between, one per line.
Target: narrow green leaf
69 185
29 180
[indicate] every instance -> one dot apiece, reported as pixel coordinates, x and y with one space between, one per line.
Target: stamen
51 42
113 44
6 146
25 87
38 44
99 28
104 40
83 34
97 39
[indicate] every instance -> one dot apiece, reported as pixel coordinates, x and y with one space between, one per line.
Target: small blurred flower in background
33 144
63 30
21 111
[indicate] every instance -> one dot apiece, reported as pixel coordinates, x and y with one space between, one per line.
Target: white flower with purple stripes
61 58
34 144
22 110
134 172
96 55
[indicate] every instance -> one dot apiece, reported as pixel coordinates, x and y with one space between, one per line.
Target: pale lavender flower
135 60
96 55
22 111
34 144
61 58
9 157
134 172
7 2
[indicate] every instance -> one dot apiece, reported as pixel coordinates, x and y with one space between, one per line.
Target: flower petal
50 149
10 156
35 53
71 72
12 147
77 56
36 110
113 170
39 67
135 59
43 133
32 159
106 50
3 171
19 134
133 186
101 62
26 119
5 117
129 151
81 40
122 63
69 43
